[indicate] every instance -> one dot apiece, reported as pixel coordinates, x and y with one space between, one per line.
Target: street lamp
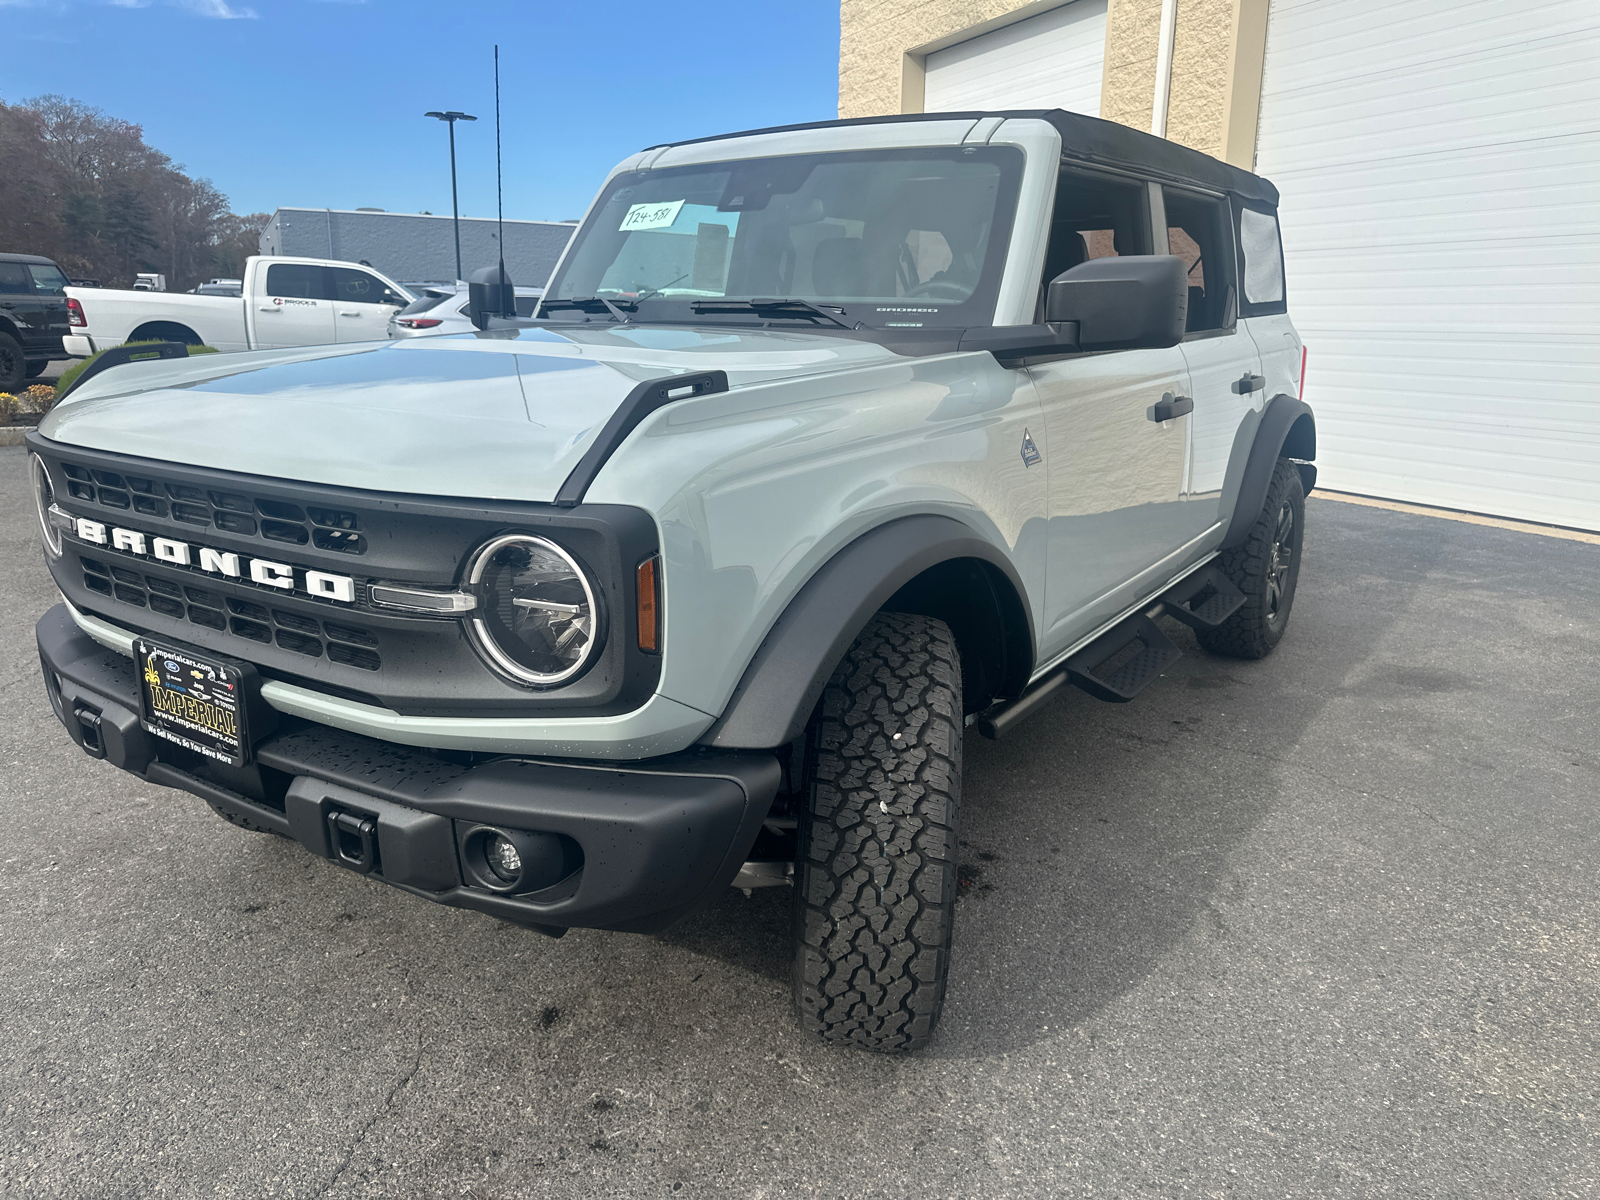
450 118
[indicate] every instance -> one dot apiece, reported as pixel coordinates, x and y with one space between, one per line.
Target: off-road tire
1269 553
242 822
13 363
875 884
36 369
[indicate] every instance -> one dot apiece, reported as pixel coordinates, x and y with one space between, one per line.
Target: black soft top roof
1087 139
28 258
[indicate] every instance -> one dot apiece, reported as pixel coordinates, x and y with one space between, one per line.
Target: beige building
1438 162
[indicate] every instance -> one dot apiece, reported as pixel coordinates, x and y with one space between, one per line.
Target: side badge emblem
1030 452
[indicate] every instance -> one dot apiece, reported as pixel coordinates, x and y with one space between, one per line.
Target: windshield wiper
802 309
594 304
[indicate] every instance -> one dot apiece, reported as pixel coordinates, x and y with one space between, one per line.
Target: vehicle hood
503 414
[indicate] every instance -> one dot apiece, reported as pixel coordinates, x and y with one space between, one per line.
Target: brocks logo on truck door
226 563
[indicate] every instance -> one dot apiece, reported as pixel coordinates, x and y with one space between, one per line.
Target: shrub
8 406
72 372
38 399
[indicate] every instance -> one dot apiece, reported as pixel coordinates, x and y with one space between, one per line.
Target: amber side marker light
648 590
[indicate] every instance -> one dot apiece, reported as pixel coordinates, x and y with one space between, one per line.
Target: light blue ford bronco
827 444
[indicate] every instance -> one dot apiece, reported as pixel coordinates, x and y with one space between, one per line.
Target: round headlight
44 495
538 619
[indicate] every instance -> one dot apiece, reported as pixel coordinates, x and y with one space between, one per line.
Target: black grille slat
208 617
191 514
150 506
253 630
299 643
353 656
166 607
129 595
114 499
283 531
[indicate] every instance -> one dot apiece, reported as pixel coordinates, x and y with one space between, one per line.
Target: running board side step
1131 655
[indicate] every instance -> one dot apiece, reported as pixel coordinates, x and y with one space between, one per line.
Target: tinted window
14 279
357 287
1200 231
423 303
896 237
300 280
526 305
48 279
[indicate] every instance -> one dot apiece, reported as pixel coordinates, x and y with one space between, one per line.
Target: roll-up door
1440 168
1053 60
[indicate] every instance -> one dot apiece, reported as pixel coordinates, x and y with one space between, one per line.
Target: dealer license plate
196 702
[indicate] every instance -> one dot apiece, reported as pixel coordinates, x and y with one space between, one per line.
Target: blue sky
319 102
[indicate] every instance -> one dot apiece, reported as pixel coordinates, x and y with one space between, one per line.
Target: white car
285 302
444 310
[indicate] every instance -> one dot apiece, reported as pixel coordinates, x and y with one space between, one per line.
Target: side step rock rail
1132 654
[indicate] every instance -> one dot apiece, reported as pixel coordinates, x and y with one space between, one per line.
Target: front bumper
658 839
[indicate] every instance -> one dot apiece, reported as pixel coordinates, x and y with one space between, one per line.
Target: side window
1261 262
300 280
1200 231
14 279
357 287
47 280
1094 218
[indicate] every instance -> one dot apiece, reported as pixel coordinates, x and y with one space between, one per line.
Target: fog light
503 858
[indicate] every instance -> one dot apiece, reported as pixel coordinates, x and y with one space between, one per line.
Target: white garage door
1440 168
1053 60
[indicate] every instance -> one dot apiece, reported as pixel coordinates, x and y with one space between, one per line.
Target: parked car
34 314
285 302
444 310
828 445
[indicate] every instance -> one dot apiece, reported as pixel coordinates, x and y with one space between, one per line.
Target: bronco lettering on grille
322 584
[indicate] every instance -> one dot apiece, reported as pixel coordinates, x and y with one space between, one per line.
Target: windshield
888 238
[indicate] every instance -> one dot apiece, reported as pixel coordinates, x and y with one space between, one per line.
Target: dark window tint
1200 231
48 279
1094 218
300 280
526 305
357 287
14 279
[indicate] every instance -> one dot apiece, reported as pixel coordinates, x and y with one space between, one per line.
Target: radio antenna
499 191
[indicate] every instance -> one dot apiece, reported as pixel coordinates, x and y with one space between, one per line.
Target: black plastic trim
779 689
121 355
1277 420
635 407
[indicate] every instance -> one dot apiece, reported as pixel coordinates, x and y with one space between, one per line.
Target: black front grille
343 644
333 529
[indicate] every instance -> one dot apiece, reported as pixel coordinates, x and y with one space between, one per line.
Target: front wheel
1266 568
876 879
13 363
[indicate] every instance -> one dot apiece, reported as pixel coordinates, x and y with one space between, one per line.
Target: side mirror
1131 302
490 294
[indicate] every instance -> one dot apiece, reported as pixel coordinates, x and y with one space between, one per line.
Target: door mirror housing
1126 302
490 294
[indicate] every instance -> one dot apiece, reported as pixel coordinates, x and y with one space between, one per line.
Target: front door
296 308
363 304
23 306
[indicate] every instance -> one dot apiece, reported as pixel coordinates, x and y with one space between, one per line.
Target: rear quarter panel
113 314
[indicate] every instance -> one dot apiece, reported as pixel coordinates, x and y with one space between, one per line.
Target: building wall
415 248
1216 61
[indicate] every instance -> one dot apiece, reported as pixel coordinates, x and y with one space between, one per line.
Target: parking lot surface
1318 926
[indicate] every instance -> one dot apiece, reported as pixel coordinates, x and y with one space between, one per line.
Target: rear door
1223 362
294 306
363 304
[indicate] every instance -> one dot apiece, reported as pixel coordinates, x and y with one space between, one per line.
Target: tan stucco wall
1216 61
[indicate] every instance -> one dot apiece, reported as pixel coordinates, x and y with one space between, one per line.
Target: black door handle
1249 383
1169 407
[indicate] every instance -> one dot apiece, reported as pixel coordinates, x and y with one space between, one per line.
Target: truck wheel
875 884
13 363
1265 567
36 369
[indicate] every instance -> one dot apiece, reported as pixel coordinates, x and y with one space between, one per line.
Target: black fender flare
780 686
1287 426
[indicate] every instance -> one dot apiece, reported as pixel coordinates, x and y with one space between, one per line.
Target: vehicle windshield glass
894 238
425 302
47 279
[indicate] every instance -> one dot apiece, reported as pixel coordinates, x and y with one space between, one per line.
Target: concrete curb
12 435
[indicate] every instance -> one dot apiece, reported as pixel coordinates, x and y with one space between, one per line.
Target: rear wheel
876 879
1266 568
13 363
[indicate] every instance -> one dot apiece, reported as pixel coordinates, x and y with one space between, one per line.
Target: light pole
450 118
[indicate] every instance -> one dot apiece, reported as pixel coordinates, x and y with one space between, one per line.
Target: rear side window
14 279
1260 262
302 281
423 303
1200 231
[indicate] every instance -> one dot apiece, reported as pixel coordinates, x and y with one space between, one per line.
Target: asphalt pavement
1319 926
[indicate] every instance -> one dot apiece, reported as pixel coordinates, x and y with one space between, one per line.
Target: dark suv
33 317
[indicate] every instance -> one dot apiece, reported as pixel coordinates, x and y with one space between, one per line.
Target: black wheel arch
930 565
166 331
1288 429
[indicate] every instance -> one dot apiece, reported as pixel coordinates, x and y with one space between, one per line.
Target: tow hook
354 838
89 727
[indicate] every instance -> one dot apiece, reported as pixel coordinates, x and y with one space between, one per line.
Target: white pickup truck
286 302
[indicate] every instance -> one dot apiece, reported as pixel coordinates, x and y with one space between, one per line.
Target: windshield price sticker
658 214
